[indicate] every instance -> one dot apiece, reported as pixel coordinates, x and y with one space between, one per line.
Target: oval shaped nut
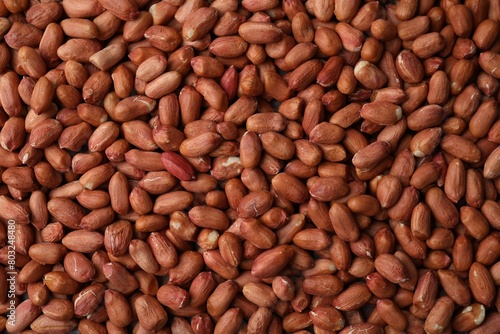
260 294
221 298
216 263
250 150
441 207
225 167
327 318
461 20
425 142
40 15
492 165
314 239
481 284
120 279
275 86
326 189
13 133
151 68
256 233
150 313
352 38
391 268
163 85
379 286
133 107
199 23
45 323
260 32
23 34
96 176
79 28
228 46
229 322
277 145
59 309
79 267
167 137
390 312
343 222
455 287
483 119
255 204
78 49
47 253
66 211
327 41
103 136
42 96
163 250
308 153
139 134
11 100
304 75
172 201
272 261
469 317
164 38
326 133
231 248
143 256
369 75
241 110
31 61
461 148
389 189
265 122
207 67
212 93
440 315
208 217
28 311
485 34
75 136
439 88
76 74
322 285
475 223
425 175
22 178
491 210
299 54
409 67
117 237
425 117
371 155
61 282
200 145
178 166
428 45
364 204
290 187
83 241
352 298
381 112
117 308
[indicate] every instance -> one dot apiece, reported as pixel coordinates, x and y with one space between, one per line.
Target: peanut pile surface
249 167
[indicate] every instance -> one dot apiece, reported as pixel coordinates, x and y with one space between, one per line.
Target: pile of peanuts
254 166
